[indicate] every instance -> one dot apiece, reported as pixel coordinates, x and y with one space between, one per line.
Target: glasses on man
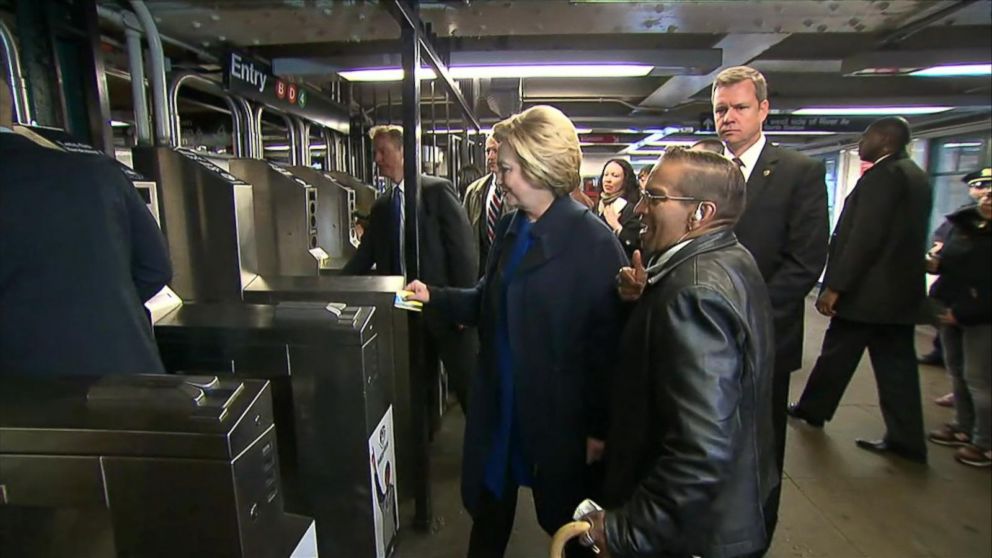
981 185
657 198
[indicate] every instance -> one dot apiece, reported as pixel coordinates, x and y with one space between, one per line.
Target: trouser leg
492 523
964 409
893 358
780 401
843 345
978 375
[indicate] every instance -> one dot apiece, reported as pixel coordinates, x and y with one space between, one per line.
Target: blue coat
564 321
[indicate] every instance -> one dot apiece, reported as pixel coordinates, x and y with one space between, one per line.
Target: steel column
419 418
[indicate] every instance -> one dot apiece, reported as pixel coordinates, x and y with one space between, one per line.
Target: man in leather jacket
690 455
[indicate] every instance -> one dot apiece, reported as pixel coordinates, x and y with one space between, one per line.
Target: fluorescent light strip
799 133
868 111
669 144
955 70
959 145
509 71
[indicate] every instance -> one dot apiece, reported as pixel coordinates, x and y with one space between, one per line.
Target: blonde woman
548 318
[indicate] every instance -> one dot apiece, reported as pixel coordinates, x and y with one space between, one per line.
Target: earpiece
698 215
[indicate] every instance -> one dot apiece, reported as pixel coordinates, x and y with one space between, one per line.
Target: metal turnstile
141 466
330 402
365 195
394 350
208 218
285 218
335 226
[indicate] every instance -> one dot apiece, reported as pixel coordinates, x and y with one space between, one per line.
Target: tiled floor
838 501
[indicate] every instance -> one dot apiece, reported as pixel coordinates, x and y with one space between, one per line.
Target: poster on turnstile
382 474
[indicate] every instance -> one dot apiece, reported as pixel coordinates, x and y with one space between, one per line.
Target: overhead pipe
117 18
22 108
156 55
136 63
208 86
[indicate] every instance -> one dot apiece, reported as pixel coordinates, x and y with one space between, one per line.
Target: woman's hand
612 218
418 291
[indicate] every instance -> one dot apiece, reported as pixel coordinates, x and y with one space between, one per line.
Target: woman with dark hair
616 204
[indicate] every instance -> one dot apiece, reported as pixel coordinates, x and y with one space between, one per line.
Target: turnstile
394 350
285 218
141 466
365 195
335 226
332 412
208 218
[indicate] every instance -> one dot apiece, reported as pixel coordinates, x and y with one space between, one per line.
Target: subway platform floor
838 501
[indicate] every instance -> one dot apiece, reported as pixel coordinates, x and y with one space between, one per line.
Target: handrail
22 107
291 133
156 56
206 85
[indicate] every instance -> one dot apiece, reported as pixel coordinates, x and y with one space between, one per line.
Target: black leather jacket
690 456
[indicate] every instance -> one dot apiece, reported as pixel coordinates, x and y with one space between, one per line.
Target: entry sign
789 123
251 78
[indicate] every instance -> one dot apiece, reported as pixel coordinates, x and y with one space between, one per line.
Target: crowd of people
636 350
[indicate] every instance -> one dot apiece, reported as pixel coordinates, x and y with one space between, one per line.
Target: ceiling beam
739 48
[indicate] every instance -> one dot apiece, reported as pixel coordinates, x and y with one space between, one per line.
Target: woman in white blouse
616 203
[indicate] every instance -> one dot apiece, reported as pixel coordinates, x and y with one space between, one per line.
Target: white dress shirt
749 157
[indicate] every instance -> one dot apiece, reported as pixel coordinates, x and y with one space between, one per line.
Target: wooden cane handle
566 533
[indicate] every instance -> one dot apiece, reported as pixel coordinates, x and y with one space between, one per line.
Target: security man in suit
785 225
79 255
484 204
447 254
873 290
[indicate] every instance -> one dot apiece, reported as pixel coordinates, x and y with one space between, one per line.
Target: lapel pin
766 172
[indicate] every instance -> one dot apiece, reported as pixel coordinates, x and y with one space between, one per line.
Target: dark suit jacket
785 227
79 254
877 251
447 254
564 320
630 229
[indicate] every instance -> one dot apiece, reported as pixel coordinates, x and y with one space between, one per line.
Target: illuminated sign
251 78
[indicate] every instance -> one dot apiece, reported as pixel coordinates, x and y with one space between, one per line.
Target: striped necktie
493 213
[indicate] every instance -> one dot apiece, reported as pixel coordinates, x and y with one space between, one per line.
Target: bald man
873 290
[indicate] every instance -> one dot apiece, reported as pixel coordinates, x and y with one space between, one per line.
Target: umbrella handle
566 533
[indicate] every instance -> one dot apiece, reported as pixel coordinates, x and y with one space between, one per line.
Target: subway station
508 278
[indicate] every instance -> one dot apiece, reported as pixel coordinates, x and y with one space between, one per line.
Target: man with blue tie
447 254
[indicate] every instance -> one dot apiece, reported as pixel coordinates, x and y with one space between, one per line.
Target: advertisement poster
382 463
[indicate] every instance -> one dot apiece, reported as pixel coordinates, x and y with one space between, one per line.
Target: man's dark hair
631 191
896 131
712 145
710 177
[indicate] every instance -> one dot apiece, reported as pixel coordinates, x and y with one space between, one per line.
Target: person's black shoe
883 447
795 412
932 359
